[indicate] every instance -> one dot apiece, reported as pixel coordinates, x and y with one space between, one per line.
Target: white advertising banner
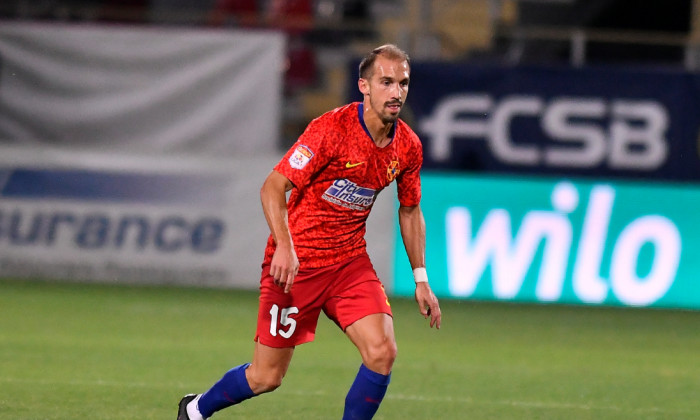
141 90
92 217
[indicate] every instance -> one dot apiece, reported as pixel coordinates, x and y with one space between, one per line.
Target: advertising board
595 122
93 217
559 240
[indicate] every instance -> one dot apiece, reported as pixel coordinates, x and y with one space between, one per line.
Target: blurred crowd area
324 37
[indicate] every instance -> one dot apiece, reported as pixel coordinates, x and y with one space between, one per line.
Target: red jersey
338 171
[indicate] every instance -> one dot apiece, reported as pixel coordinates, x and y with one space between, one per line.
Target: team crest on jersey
392 171
346 193
301 156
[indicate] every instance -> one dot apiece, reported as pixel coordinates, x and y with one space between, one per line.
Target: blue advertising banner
547 239
593 122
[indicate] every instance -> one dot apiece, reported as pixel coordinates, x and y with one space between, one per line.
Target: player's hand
428 304
284 266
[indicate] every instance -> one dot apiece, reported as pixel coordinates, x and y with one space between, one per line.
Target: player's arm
412 226
285 265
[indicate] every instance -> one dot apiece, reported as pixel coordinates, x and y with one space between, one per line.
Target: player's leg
268 368
360 307
284 321
263 374
373 336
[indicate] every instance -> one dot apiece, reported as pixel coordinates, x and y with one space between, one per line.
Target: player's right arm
284 265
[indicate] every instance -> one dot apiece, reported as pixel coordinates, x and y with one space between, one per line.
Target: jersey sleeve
311 152
408 181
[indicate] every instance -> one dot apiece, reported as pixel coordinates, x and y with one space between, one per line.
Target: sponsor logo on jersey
392 171
350 195
301 156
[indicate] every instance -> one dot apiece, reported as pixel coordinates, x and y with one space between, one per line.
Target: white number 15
284 320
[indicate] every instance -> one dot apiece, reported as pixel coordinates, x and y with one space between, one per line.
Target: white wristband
420 275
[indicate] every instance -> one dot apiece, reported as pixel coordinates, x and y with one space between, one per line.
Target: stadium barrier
558 184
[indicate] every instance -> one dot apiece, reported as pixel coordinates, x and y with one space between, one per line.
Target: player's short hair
390 51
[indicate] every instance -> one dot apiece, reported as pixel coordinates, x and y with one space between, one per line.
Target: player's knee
271 384
261 382
381 356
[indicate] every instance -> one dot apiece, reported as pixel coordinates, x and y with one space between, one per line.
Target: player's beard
388 116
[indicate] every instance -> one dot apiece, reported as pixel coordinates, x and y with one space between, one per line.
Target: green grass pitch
72 351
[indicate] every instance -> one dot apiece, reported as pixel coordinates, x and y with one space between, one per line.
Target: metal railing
578 40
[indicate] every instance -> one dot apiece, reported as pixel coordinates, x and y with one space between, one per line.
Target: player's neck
381 138
379 130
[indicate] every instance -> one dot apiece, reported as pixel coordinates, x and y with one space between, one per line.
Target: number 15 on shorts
283 321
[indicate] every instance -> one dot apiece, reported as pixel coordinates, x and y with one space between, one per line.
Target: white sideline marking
390 396
535 404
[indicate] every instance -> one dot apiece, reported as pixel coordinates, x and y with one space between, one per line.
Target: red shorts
346 292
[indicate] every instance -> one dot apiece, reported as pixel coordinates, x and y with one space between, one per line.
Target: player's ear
363 85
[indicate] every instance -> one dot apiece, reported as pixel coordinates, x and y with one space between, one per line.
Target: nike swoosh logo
352 165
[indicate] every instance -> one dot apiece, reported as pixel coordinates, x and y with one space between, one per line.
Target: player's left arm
412 226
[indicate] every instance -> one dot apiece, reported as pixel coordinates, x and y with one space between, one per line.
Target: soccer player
316 258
